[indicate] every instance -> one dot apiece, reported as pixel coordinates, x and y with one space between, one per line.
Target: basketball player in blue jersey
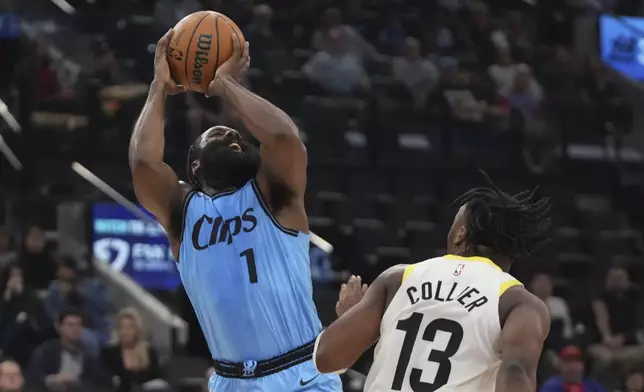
239 233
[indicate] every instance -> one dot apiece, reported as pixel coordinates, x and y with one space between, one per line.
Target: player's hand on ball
350 294
161 68
235 67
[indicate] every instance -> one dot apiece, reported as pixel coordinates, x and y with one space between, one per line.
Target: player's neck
210 191
499 260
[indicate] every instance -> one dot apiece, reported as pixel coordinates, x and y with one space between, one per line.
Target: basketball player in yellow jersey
457 323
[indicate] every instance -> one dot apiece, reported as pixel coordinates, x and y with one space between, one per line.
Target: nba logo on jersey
249 368
459 269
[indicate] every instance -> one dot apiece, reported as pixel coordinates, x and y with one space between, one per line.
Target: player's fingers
246 63
211 87
356 283
162 45
237 49
343 292
364 288
246 53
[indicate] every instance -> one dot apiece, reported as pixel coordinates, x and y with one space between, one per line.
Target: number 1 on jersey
249 255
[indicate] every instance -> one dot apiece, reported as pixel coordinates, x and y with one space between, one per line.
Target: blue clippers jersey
247 277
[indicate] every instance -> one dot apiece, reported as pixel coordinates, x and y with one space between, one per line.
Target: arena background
400 103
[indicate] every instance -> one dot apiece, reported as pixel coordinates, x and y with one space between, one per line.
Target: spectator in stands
106 70
11 379
37 262
503 72
268 52
419 75
130 358
64 364
36 75
335 68
6 253
572 376
520 35
539 143
459 97
71 290
526 93
634 380
333 30
561 329
470 100
485 35
23 321
617 320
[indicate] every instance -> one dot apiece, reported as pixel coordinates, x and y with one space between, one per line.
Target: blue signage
622 44
9 25
137 248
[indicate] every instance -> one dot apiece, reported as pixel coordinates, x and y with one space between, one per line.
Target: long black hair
513 226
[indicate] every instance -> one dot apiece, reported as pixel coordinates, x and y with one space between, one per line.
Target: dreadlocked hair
510 225
193 154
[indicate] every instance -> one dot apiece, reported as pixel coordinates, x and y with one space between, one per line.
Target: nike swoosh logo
303 383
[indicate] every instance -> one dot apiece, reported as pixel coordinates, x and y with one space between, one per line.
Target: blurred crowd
468 80
56 332
444 69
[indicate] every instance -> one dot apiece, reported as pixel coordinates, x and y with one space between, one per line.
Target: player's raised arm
282 151
346 339
525 329
155 183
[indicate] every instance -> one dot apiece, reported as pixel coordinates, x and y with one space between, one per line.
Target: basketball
201 42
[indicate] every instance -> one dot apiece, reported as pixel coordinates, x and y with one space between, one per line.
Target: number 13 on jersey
411 327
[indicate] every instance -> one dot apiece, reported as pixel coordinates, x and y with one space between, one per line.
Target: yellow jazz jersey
441 329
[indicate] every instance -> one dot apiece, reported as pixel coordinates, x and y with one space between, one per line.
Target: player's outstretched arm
525 329
283 153
346 339
155 183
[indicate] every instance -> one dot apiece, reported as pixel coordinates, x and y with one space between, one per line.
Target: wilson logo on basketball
204 43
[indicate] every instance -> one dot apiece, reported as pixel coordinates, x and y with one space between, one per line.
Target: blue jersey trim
258 194
186 202
220 194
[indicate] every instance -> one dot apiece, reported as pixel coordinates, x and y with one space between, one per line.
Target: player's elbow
288 135
139 162
324 361
516 376
327 360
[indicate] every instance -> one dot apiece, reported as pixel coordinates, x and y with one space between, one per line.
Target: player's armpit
342 343
157 188
524 332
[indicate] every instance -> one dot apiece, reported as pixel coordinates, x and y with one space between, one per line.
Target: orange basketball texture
201 42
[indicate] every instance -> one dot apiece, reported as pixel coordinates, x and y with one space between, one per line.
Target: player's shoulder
394 275
518 296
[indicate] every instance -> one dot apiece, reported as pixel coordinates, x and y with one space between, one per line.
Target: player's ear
461 233
194 166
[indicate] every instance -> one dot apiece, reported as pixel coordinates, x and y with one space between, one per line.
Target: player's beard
222 168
